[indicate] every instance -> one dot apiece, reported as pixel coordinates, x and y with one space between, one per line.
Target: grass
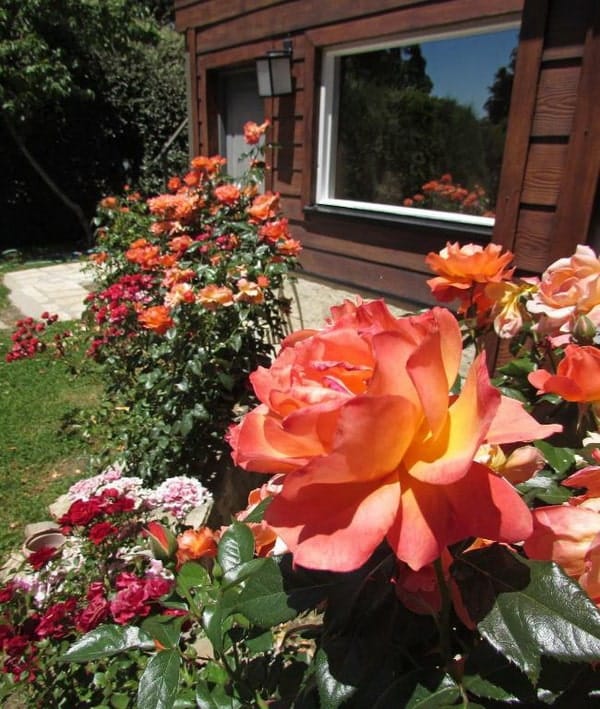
39 459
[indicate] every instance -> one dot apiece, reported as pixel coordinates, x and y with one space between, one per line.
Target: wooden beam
520 121
575 204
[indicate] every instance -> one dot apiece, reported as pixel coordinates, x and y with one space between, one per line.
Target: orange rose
463 272
272 232
180 243
227 194
359 418
249 292
264 207
213 296
156 318
577 376
209 165
144 254
174 184
264 537
253 131
99 257
196 544
289 247
109 203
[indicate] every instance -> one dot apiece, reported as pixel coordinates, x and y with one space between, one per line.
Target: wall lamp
274 71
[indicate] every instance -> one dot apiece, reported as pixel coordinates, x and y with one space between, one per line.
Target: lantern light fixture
274 71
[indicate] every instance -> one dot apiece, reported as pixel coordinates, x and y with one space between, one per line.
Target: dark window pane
423 125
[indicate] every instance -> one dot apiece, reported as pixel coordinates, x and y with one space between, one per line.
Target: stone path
59 289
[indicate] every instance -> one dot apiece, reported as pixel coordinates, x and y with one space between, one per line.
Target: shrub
189 301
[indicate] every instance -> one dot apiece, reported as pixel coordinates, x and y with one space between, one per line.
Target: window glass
421 126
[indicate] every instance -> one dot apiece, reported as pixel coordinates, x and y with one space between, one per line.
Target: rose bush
188 301
424 537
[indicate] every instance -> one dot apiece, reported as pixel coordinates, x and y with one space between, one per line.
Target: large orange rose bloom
463 272
359 418
577 376
253 131
156 318
265 206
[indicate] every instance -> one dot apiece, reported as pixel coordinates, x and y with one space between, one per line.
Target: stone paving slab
59 289
62 288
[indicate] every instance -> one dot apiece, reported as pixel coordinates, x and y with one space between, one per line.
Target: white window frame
327 140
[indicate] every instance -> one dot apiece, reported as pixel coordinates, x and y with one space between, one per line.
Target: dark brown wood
531 246
580 180
191 13
380 279
311 119
568 21
379 19
190 38
520 120
555 103
423 18
543 174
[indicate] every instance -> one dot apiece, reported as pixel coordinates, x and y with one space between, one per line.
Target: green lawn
38 458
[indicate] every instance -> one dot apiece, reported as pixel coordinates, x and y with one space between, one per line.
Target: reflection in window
423 125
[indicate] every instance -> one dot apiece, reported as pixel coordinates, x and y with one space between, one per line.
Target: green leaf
107 640
212 622
263 600
258 513
332 693
160 680
191 575
517 367
441 695
217 699
242 572
526 609
560 459
235 547
165 629
261 643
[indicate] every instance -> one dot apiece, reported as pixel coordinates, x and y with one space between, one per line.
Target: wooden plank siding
551 126
563 145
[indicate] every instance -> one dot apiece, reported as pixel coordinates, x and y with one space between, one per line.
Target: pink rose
570 287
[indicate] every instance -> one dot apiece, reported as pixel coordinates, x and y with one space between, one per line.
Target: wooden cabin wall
552 144
550 174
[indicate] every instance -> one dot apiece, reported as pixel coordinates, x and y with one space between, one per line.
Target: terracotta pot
50 538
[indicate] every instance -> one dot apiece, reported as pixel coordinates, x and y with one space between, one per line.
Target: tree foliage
92 89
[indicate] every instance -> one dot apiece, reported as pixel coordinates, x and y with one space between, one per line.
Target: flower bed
422 538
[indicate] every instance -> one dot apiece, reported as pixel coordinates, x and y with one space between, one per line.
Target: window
417 128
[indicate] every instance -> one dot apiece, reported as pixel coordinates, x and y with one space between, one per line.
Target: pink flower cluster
179 495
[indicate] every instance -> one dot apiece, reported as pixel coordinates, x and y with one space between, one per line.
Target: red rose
93 614
82 512
129 603
100 531
56 621
41 557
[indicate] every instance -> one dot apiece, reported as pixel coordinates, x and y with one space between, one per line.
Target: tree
68 127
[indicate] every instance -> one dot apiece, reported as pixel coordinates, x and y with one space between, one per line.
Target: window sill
382 218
